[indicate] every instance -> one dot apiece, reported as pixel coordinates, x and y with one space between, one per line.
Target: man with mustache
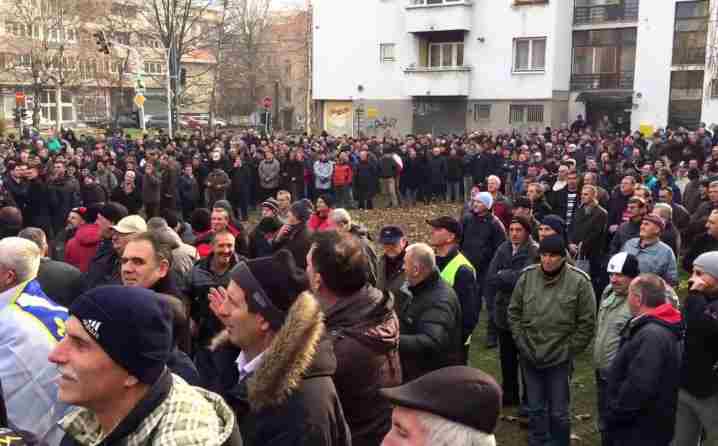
113 369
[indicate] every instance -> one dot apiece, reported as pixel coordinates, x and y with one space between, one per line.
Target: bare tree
46 38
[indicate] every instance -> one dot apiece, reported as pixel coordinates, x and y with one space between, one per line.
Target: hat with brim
131 224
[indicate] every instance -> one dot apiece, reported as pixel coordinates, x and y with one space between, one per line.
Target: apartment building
444 66
54 39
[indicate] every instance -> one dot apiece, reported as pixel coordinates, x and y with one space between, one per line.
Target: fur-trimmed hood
296 353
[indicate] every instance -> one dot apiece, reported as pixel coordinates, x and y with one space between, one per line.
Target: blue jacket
30 326
657 259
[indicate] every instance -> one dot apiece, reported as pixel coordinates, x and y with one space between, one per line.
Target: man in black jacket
637 208
458 272
705 243
587 237
698 395
511 258
645 374
482 234
431 325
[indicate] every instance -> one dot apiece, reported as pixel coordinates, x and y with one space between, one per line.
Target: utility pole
169 89
310 48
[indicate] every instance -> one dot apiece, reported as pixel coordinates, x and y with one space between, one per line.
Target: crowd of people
139 306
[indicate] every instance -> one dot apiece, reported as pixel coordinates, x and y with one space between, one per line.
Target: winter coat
169 185
454 168
644 378
132 201
503 274
151 186
692 195
437 170
216 187
64 195
323 172
188 190
106 179
295 174
616 207
394 281
624 233
173 412
81 248
413 175
388 168
589 229
298 243
503 209
104 268
365 178
657 258
431 329
290 399
699 376
201 279
343 175
467 291
542 208
38 212
552 319
318 222
269 174
365 332
482 236
240 182
613 314
701 245
61 281
93 194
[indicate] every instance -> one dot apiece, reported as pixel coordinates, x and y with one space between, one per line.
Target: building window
447 54
603 59
530 54
690 33
522 114
154 68
24 60
482 112
686 85
386 52
714 88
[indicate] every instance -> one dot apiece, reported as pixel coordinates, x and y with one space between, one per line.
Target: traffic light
102 42
183 76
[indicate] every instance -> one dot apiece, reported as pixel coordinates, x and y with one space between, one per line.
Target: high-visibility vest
449 271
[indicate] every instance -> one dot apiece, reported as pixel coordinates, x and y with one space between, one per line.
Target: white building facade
455 66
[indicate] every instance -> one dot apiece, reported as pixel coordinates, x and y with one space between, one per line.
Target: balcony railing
611 81
624 12
438 81
689 56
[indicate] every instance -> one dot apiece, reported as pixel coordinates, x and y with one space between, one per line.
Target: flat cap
390 235
464 395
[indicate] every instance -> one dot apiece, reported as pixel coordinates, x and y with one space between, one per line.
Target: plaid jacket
188 416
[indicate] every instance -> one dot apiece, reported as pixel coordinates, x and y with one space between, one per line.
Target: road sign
267 102
19 99
139 100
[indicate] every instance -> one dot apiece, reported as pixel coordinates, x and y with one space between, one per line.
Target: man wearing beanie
294 234
698 394
552 316
613 314
511 258
483 233
280 386
463 413
653 255
113 368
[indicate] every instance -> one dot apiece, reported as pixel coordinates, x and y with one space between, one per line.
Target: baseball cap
449 223
390 235
130 225
624 263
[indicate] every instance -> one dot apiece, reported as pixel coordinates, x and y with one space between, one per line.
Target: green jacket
613 314
552 319
187 416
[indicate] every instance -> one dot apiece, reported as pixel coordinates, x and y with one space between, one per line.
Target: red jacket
203 241
318 223
343 174
81 248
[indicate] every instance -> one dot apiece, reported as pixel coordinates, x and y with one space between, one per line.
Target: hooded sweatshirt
81 248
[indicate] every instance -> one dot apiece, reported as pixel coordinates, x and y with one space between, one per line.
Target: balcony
438 15
626 11
689 56
607 81
438 81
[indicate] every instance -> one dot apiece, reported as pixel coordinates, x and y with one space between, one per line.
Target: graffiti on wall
383 123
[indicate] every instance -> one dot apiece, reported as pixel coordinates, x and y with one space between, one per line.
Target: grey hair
665 210
35 235
20 255
442 432
423 255
340 215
